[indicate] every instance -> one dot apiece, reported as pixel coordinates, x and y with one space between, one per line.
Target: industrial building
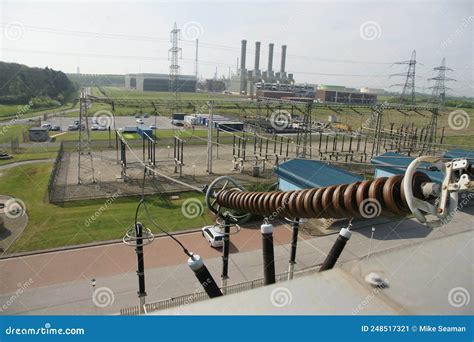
340 94
159 82
249 81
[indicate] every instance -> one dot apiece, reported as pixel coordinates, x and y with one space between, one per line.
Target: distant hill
20 84
98 80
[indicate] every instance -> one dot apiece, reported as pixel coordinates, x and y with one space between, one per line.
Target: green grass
9 112
55 226
30 153
7 133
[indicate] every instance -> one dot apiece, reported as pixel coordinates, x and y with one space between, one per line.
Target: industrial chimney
243 54
283 60
257 56
270 58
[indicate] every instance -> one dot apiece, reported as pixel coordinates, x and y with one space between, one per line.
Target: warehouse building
159 82
340 94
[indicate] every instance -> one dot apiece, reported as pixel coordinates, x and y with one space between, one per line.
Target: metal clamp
220 184
448 192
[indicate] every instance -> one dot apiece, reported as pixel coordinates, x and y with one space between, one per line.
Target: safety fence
199 296
54 172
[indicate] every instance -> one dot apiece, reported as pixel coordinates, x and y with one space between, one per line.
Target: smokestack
243 54
270 57
283 59
257 56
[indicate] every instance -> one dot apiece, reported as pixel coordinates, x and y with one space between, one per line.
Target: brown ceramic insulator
350 202
337 201
326 202
392 195
376 192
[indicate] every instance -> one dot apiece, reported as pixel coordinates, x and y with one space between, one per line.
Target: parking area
120 121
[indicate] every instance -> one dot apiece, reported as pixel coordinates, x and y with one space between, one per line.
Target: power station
248 82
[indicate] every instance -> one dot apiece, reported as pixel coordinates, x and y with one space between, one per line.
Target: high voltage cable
189 42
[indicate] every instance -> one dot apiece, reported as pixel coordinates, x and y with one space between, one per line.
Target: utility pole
196 61
408 92
210 124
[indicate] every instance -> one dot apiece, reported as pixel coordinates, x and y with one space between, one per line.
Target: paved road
60 281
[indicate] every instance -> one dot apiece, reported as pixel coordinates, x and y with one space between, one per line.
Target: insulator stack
381 196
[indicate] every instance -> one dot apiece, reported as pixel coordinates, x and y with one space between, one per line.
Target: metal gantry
85 161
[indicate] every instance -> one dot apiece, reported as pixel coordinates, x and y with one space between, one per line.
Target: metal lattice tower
196 60
174 51
408 92
439 89
85 163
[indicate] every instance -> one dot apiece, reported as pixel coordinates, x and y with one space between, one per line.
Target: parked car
153 126
47 126
146 115
55 128
73 127
177 122
140 121
213 236
102 128
95 127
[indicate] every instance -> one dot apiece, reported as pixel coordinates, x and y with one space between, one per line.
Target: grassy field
30 153
8 112
54 226
7 133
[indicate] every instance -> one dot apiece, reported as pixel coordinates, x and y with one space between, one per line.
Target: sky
351 43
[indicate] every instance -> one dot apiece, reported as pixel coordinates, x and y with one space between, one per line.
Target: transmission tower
174 51
439 89
408 92
85 162
196 60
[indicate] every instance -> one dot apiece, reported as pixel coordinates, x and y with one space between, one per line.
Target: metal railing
200 296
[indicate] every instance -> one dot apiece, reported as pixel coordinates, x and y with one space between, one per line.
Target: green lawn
8 112
30 153
7 133
54 226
